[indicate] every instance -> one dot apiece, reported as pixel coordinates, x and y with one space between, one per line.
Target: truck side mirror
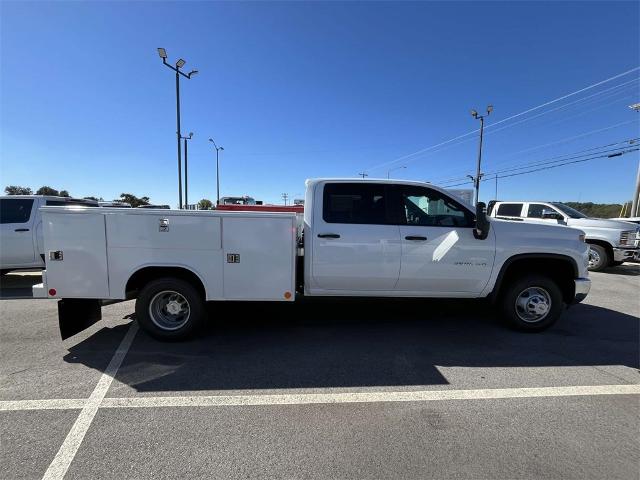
481 230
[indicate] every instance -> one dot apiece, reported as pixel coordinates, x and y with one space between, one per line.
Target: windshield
570 212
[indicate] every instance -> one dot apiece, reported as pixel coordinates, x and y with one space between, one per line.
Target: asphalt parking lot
325 389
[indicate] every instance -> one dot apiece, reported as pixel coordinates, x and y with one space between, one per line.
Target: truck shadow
356 343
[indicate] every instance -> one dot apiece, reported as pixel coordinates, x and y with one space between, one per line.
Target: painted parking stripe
323 398
69 448
367 397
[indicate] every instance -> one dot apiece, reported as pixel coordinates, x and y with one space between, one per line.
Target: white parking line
324 398
69 448
367 397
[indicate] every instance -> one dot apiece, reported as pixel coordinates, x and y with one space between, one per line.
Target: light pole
218 149
179 64
186 170
635 206
476 179
363 174
392 169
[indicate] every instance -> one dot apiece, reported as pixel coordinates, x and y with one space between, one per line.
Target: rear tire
532 303
598 258
170 309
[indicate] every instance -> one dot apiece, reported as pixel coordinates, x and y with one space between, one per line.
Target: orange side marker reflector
287 295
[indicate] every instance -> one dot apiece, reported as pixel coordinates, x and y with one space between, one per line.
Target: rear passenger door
356 246
16 236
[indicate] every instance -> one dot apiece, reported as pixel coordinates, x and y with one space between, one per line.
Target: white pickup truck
611 242
375 238
21 244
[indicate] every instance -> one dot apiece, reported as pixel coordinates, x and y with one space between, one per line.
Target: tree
205 204
64 193
16 190
47 191
96 199
133 200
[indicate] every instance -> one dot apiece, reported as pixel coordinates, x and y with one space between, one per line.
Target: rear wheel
170 309
598 258
532 303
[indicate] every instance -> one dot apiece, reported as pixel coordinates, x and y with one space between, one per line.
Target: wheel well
560 269
606 245
145 275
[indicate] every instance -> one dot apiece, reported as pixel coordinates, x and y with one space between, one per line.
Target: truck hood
541 229
600 223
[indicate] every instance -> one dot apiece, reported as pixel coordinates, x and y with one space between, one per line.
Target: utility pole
186 170
179 64
363 174
635 207
285 197
476 179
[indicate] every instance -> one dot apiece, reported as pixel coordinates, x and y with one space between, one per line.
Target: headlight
628 237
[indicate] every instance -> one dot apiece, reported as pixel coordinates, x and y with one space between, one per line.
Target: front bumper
625 254
583 285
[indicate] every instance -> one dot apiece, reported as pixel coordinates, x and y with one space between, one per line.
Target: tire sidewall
196 306
509 297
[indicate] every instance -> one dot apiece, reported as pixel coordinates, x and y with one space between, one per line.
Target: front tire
598 258
532 303
170 309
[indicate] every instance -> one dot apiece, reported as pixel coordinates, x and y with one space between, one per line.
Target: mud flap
77 314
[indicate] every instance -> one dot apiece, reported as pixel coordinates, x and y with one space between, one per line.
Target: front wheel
532 303
598 258
170 309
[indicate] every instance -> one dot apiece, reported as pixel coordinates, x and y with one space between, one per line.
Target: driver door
440 254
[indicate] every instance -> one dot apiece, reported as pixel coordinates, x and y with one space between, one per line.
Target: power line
537 147
548 167
542 105
557 158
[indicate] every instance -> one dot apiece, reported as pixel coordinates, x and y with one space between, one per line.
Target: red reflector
52 292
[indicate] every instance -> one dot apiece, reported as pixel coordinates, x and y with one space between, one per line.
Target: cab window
509 210
535 210
15 210
357 203
430 208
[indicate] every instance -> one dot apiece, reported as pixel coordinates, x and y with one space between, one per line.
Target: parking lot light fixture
179 64
218 150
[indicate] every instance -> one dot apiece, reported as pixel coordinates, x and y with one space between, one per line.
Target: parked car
369 238
611 242
21 229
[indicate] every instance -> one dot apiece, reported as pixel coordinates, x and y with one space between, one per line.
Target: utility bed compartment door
258 257
81 268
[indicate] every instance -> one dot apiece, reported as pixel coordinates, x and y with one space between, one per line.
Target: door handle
328 235
415 237
21 230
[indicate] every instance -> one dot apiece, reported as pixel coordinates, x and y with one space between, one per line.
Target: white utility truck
375 238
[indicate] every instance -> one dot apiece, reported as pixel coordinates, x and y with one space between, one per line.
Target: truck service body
378 238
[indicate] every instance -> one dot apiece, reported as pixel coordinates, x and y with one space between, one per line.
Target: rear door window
509 210
356 203
15 210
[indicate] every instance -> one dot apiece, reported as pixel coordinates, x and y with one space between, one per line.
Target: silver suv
611 242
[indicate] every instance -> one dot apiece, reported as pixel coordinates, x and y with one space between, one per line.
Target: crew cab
365 238
21 245
611 242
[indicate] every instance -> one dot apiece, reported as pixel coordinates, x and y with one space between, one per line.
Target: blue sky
300 90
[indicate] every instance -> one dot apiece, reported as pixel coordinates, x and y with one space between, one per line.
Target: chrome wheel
533 304
169 310
594 258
